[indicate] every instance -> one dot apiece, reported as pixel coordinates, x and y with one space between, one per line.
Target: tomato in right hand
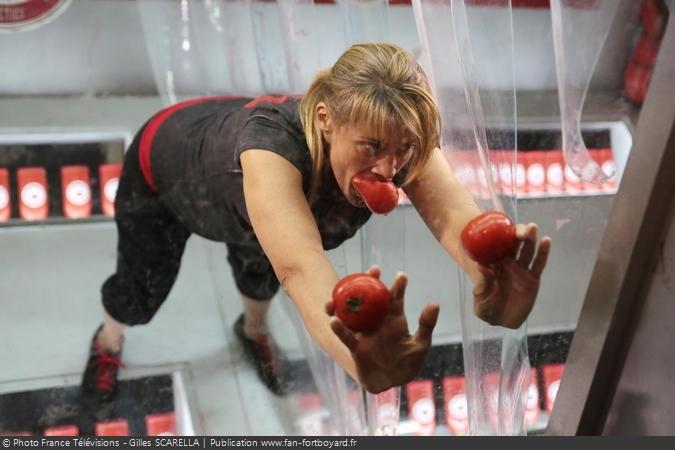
361 301
490 237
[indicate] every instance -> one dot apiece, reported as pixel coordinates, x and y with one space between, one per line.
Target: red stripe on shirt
148 135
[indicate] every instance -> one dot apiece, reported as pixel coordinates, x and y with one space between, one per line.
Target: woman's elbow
288 276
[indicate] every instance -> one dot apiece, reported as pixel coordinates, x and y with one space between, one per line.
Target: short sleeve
270 130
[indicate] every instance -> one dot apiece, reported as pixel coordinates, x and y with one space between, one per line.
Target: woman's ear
324 120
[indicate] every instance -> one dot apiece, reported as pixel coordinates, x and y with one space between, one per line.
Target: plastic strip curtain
301 41
234 44
341 397
580 28
268 33
365 20
461 43
383 243
207 47
199 48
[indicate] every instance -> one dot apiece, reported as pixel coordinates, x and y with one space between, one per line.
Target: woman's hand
390 356
505 293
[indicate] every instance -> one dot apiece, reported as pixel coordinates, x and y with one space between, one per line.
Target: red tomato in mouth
380 196
361 302
489 238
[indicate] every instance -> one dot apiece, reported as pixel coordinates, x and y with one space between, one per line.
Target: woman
272 178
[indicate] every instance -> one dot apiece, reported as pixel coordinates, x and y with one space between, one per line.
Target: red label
16 13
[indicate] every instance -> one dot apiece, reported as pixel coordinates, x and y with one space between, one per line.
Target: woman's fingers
542 256
345 335
529 236
485 283
330 307
427 322
374 271
398 293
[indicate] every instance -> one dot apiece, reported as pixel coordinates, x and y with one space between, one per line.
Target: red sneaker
100 375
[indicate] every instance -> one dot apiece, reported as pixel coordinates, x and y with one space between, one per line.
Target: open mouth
358 200
378 194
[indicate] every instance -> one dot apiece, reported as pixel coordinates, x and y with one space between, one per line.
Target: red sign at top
15 14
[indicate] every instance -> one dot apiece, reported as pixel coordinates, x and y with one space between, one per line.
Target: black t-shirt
195 165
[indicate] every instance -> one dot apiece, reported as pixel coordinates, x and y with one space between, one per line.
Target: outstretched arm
286 229
503 294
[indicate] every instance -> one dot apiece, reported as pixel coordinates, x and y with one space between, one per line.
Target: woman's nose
386 167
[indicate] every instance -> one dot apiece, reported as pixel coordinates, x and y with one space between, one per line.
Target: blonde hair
377 86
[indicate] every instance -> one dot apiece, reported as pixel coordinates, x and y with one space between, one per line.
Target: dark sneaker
100 375
274 370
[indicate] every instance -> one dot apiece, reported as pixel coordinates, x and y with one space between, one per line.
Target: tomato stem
354 304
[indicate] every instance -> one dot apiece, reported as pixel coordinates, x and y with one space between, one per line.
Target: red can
5 198
119 427
65 430
109 177
421 407
552 376
555 177
608 165
162 424
456 405
535 172
75 192
532 410
33 193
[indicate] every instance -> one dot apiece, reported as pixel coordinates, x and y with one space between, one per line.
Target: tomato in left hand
490 237
361 302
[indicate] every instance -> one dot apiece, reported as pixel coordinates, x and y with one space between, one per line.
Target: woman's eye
369 150
406 150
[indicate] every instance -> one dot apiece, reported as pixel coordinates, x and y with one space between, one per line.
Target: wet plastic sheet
301 42
183 37
461 43
382 244
580 29
365 20
353 411
341 398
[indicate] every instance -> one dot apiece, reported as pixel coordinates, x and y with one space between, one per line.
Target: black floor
34 411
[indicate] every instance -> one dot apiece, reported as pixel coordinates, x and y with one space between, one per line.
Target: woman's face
353 150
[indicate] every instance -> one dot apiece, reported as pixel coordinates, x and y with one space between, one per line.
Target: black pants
150 246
